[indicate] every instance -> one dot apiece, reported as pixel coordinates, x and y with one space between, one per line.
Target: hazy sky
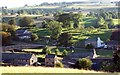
17 3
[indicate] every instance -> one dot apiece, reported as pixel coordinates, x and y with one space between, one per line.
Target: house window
32 60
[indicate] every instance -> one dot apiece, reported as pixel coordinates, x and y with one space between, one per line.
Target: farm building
19 59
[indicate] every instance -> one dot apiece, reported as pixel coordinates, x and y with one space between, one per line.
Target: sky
18 3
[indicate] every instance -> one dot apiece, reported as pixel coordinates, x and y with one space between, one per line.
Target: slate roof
92 39
50 56
21 32
82 54
9 56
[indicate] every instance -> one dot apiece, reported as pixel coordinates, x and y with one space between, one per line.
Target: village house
19 59
23 34
96 42
73 57
50 60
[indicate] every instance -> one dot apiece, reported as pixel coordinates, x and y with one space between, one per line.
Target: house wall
33 59
50 61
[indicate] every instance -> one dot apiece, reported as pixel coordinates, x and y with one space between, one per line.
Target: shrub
59 64
56 51
44 51
49 51
65 53
84 63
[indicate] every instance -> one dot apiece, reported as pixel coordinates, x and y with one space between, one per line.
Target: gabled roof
9 56
92 39
82 55
22 32
50 56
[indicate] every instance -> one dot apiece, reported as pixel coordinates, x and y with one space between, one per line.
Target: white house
96 42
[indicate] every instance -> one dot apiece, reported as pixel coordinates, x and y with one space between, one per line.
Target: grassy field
116 21
42 70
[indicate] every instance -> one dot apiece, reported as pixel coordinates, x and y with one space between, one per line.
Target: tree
26 22
55 28
69 19
64 53
6 38
84 63
65 39
12 22
59 64
9 28
56 51
44 24
44 51
48 51
102 23
34 37
4 11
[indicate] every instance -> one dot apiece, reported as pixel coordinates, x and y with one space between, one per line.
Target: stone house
96 42
72 58
19 59
50 60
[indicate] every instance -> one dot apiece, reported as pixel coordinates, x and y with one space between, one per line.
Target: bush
44 51
59 64
56 51
49 51
84 63
6 38
65 53
89 46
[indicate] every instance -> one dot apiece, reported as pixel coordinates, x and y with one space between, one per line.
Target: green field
116 21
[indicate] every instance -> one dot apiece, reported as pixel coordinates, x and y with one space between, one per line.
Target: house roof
50 56
22 32
82 55
92 39
9 56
